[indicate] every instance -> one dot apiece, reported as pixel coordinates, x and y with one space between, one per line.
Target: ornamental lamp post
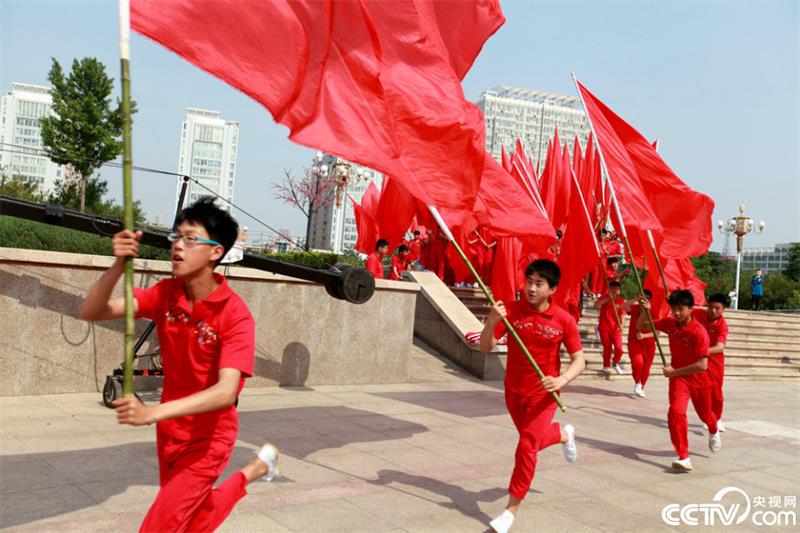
739 225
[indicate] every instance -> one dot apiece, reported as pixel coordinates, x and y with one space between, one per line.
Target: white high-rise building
334 228
208 154
532 116
21 148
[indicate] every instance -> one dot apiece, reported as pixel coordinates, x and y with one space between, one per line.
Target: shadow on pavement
470 404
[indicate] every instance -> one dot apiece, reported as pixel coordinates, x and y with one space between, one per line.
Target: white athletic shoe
502 524
618 370
682 465
714 442
721 426
269 454
643 393
606 370
637 389
569 448
705 426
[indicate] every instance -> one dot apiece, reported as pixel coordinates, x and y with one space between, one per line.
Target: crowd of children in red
207 339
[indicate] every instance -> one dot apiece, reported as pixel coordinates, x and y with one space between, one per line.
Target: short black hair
648 293
218 223
720 298
417 233
611 260
546 269
403 248
380 244
615 283
559 233
681 297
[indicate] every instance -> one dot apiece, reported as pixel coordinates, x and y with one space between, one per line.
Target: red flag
395 211
507 276
366 223
580 252
376 83
504 159
631 199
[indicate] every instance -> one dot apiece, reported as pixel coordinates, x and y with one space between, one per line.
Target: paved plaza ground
431 455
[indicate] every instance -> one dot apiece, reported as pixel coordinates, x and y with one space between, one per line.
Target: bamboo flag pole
622 229
127 189
446 230
658 261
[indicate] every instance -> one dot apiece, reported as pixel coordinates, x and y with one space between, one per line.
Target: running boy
543 327
717 329
688 379
641 346
207 338
609 326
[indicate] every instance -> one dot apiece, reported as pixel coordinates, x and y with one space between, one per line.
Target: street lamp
739 225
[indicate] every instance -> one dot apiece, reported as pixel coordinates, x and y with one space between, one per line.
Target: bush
30 235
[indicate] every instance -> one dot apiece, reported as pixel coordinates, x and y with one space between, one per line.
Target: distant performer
641 346
375 259
717 328
399 262
687 373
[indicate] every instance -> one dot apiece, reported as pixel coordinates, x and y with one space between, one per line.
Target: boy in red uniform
688 379
641 346
375 259
543 327
399 262
415 248
717 328
207 339
609 327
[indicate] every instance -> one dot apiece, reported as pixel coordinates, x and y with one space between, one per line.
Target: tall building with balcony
21 148
768 259
334 227
208 154
532 116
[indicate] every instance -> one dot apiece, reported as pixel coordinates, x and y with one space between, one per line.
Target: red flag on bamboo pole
372 82
636 209
395 211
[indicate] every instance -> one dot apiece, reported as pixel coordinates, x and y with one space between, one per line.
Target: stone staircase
761 345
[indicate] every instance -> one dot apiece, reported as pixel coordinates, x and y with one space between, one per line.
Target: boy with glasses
207 339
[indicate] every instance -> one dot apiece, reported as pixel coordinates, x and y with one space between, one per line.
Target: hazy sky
716 82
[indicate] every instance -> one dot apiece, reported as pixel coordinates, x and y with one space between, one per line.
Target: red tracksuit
530 406
610 334
196 342
717 332
687 345
375 265
641 351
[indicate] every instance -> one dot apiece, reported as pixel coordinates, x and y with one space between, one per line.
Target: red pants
611 339
188 470
679 395
717 399
533 417
641 353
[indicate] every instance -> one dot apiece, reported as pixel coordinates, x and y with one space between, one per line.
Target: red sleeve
150 300
238 344
499 330
666 324
572 337
723 331
702 342
375 267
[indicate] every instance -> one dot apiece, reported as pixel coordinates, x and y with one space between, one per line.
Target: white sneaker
502 524
714 442
682 465
638 390
269 454
606 370
618 369
569 448
705 426
721 426
643 394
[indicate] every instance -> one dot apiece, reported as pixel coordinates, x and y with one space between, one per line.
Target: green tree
792 268
94 199
85 131
19 187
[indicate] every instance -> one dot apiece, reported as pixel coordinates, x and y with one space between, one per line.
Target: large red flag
366 220
631 199
377 83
